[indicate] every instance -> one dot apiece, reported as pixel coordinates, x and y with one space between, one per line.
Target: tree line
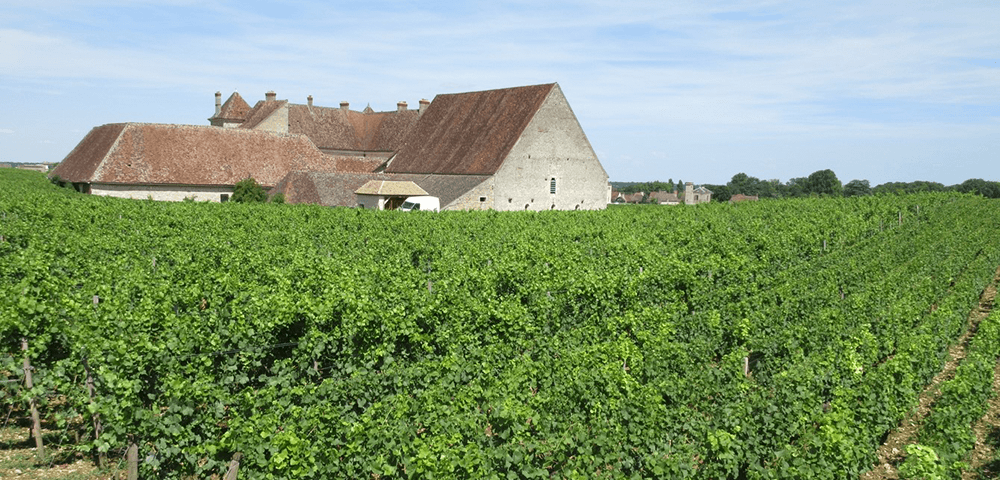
821 182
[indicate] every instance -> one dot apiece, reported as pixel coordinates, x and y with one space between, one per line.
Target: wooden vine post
132 460
234 467
101 457
36 423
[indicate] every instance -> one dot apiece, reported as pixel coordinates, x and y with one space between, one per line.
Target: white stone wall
552 146
479 198
169 193
276 122
373 202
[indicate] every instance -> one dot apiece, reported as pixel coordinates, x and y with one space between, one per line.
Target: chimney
218 103
401 107
310 100
424 103
344 106
270 96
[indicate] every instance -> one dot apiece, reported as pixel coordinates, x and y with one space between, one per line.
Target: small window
224 198
552 186
482 199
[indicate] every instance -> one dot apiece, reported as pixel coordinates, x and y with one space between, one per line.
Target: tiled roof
160 154
83 160
339 129
664 197
739 197
469 133
260 112
337 189
390 187
235 109
357 164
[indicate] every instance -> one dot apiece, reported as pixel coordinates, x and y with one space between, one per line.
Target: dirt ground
18 457
892 453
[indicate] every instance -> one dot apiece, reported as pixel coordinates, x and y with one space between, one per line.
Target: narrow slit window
552 186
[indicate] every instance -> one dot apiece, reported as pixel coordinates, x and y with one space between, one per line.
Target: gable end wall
276 121
552 146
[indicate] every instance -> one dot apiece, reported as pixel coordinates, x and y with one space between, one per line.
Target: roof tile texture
235 109
390 187
138 153
469 133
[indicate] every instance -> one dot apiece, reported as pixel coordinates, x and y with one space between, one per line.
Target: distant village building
33 167
517 148
694 196
665 198
739 197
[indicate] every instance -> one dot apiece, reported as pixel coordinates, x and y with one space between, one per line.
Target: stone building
177 162
694 196
518 148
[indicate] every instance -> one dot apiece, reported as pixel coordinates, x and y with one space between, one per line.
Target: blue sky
695 91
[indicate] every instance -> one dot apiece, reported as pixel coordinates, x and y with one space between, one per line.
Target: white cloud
637 73
6 131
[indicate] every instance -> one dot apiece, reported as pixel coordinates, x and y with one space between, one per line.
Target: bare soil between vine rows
893 451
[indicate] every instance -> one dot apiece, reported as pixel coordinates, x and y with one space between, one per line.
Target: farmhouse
174 162
665 198
517 148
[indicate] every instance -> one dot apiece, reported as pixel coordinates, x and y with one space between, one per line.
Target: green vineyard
765 340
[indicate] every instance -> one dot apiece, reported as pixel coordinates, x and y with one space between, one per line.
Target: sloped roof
664 197
336 189
260 111
340 129
390 187
469 133
739 197
357 164
161 154
235 109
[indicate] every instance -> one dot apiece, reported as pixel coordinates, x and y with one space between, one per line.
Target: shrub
248 191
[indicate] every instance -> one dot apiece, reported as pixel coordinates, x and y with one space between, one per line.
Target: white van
424 203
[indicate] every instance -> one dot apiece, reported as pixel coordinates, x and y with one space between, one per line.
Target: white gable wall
552 146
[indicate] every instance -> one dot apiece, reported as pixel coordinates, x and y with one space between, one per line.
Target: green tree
720 193
824 182
795 187
249 191
857 188
981 187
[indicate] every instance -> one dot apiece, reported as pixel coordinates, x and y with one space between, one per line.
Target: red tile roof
338 129
739 197
664 197
160 154
469 133
235 109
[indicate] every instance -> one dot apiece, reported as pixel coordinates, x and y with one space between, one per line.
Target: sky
686 91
